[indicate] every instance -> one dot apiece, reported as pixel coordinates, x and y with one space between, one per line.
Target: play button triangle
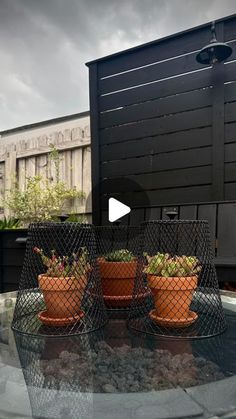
116 210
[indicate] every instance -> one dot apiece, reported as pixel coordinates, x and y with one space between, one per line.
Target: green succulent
62 266
9 223
163 264
122 255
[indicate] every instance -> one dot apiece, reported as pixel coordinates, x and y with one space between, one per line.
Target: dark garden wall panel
230 92
153 72
200 137
188 212
157 107
230 152
137 216
209 213
12 252
227 231
167 87
230 69
158 162
156 126
230 28
167 123
153 213
160 180
164 196
230 133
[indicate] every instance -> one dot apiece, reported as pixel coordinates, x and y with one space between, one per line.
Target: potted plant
172 280
118 271
63 286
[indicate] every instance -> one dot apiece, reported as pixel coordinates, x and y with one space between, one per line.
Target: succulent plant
62 266
122 255
163 264
9 224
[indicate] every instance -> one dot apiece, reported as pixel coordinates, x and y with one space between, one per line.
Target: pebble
127 369
108 388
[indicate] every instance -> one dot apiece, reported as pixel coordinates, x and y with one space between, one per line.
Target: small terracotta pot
63 295
173 295
117 279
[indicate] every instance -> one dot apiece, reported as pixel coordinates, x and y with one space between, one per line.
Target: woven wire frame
64 297
185 299
58 374
118 276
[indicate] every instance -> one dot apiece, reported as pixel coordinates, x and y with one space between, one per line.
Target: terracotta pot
117 277
62 296
173 295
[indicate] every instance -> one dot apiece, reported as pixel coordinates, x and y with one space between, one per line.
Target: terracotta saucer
122 301
59 322
185 322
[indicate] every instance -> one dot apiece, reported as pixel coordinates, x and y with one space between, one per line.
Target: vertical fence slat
87 177
226 231
208 212
68 167
188 212
2 180
42 165
21 173
30 166
77 165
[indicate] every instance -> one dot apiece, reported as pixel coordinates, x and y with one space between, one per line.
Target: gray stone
218 398
156 405
128 369
108 388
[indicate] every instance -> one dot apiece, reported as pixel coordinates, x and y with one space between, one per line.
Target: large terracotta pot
173 295
63 295
117 281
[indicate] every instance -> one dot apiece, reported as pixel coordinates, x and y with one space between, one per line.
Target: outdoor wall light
215 51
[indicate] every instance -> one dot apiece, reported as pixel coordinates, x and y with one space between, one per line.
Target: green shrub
42 199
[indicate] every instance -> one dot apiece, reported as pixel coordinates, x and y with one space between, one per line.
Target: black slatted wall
166 122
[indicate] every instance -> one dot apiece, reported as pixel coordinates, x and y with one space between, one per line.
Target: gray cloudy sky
45 43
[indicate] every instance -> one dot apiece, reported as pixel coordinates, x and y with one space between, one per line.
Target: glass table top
114 373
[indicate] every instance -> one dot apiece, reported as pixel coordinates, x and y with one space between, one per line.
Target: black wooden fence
165 121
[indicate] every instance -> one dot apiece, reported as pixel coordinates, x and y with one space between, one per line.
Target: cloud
44 46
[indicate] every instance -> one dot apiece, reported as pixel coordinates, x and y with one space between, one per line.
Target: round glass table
115 373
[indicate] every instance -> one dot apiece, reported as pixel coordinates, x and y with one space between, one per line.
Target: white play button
116 210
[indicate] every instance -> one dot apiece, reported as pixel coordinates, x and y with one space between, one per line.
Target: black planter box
12 252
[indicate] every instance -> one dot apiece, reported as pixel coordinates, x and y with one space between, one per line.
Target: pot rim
172 283
54 283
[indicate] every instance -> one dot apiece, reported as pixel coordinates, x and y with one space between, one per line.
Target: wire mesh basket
119 260
60 288
178 267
